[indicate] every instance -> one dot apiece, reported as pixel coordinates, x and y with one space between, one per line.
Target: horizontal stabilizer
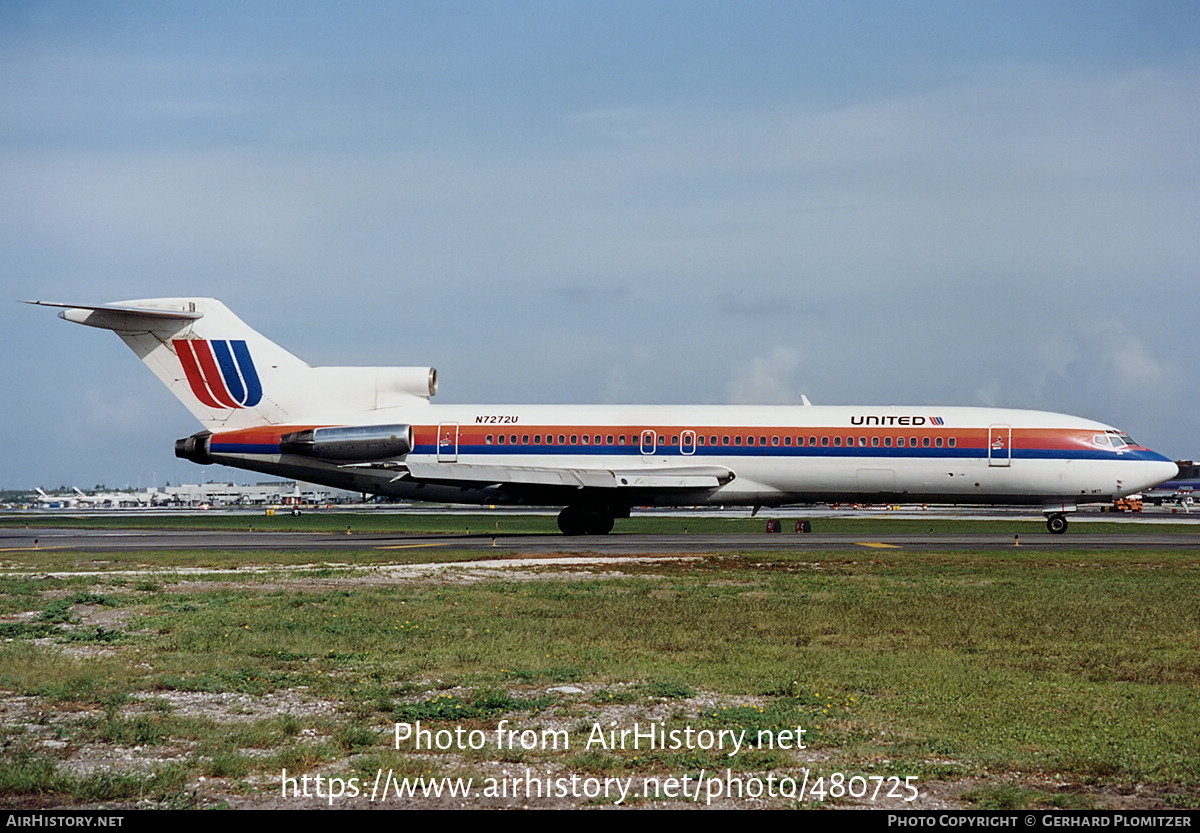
117 317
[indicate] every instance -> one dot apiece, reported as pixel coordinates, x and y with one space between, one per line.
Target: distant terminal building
272 493
1179 489
256 494
1188 470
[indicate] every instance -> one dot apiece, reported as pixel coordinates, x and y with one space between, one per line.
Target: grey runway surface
109 540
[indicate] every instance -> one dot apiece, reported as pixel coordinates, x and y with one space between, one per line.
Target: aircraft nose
1157 471
1167 471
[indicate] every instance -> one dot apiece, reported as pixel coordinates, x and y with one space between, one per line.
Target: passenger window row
823 441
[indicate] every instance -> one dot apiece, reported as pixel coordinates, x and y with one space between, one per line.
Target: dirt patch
333 745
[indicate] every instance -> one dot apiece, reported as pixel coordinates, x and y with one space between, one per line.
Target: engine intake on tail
353 442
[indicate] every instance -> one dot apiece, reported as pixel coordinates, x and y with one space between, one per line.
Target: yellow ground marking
877 545
32 548
412 546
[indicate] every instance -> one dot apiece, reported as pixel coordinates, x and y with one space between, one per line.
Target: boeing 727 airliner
373 429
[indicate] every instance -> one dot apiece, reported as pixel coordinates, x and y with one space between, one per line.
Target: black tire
601 523
576 520
570 521
1057 524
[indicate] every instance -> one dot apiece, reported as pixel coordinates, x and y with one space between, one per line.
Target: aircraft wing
676 478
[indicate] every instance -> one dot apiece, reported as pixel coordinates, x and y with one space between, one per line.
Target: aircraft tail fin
230 376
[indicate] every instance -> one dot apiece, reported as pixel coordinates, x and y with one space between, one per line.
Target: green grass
981 667
327 564
41 782
519 523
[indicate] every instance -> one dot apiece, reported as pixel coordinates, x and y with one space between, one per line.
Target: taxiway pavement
110 540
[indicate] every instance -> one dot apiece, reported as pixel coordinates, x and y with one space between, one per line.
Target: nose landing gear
1057 523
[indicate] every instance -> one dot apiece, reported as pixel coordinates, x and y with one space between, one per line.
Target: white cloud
768 380
1106 356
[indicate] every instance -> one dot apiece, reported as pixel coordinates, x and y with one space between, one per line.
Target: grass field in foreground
1024 678
433 523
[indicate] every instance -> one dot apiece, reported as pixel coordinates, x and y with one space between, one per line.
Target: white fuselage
777 455
373 429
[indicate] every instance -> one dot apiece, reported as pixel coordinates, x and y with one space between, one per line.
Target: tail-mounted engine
194 448
355 442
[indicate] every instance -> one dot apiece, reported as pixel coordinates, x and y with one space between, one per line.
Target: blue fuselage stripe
549 452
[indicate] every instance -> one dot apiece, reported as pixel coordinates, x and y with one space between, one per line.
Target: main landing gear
1057 523
586 520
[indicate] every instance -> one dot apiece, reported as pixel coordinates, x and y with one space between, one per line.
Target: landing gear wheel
570 521
602 524
578 520
1056 523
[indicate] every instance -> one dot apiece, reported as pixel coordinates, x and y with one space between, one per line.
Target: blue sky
928 203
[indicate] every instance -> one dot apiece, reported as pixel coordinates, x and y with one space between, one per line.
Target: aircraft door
999 445
687 442
447 442
649 442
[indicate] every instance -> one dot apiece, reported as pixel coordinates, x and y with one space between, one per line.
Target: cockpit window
1101 440
1120 440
